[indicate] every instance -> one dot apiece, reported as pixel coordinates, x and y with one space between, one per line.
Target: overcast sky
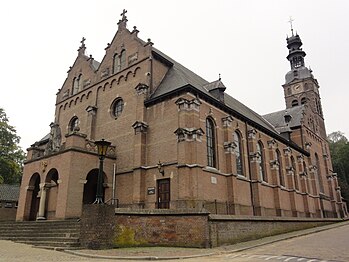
244 41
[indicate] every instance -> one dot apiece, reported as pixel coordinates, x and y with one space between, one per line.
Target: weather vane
290 21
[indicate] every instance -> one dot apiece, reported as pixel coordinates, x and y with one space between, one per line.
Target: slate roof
9 192
179 76
277 119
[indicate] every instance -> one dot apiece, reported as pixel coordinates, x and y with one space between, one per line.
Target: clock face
297 87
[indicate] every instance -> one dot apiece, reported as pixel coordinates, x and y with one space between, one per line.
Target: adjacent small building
9 195
179 141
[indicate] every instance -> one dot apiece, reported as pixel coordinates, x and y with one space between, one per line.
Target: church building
178 141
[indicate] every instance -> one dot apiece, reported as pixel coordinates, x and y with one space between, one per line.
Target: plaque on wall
151 190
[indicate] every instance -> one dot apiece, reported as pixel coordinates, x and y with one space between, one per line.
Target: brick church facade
179 141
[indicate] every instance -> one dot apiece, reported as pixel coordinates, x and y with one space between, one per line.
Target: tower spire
290 21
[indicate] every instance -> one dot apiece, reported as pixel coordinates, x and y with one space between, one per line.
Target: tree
339 147
11 154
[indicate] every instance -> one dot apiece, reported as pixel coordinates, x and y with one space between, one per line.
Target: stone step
41 234
59 233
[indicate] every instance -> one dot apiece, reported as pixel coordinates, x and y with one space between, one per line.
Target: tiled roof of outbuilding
9 192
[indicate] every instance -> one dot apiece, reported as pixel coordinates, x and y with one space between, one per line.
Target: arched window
74 124
295 174
116 64
122 59
261 171
211 143
294 103
280 173
117 107
321 185
76 84
238 154
303 100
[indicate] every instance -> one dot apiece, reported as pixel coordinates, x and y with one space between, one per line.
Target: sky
242 40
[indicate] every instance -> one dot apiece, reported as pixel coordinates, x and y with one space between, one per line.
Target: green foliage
339 147
11 155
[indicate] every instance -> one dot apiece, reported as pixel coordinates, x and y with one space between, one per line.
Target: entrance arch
33 189
51 183
90 187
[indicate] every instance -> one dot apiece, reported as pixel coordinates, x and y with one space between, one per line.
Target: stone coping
161 212
213 217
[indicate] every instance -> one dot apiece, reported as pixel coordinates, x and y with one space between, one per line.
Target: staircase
61 234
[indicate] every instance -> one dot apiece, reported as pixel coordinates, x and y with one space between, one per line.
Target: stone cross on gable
83 41
123 14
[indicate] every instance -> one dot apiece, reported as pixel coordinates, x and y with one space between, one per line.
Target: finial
122 22
82 47
219 76
123 14
290 21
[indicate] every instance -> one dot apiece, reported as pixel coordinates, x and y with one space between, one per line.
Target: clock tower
301 88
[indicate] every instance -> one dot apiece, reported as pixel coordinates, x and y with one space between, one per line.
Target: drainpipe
249 170
114 179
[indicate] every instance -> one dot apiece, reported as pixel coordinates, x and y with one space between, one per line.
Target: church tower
301 88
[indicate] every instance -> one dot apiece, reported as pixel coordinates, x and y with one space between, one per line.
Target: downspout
249 170
114 180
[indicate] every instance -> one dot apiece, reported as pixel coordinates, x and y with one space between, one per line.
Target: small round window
117 107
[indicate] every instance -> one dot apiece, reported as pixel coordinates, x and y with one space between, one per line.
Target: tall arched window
261 171
295 174
238 154
123 59
116 64
211 143
280 173
321 185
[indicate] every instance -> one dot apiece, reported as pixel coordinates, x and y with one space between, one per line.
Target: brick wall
229 229
103 226
7 213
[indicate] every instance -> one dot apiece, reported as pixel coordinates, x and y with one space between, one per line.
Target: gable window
238 154
261 171
77 84
294 103
280 173
117 107
119 62
211 143
303 100
74 124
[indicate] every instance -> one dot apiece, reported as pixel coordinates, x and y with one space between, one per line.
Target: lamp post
102 147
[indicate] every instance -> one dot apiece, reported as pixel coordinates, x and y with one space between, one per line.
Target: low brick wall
103 226
161 228
231 229
8 214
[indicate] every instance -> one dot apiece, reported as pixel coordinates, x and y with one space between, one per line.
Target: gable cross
123 14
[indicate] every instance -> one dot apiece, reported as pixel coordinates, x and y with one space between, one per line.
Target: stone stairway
59 233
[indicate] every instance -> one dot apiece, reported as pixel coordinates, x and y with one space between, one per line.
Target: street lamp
102 147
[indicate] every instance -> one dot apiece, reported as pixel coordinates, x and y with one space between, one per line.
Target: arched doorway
51 183
34 187
90 187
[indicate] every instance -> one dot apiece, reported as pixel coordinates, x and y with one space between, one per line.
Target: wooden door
164 193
